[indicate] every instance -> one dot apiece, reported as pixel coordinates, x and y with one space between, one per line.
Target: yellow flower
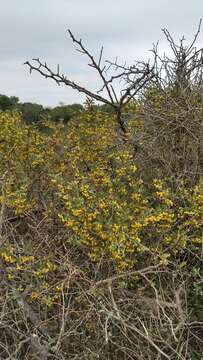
19 267
136 226
34 295
77 212
158 184
10 276
7 257
24 259
136 196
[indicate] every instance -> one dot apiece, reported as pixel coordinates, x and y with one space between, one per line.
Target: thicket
101 224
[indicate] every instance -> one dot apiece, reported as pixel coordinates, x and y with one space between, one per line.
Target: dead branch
136 77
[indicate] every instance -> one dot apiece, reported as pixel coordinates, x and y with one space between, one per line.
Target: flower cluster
85 175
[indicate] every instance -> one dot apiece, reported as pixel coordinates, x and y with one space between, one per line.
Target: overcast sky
126 28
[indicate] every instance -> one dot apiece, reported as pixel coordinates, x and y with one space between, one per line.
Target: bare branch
135 76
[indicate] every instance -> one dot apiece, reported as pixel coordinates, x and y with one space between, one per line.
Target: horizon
129 32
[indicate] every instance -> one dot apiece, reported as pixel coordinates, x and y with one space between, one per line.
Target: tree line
35 113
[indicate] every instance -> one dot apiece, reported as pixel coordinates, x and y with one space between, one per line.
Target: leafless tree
184 68
133 77
171 143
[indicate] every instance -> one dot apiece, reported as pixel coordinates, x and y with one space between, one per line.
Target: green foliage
75 210
65 113
31 113
101 231
8 103
87 177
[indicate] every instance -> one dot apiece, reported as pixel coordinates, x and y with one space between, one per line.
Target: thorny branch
142 73
185 68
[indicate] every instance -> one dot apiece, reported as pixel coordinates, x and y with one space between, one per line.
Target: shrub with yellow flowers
107 207
85 175
40 278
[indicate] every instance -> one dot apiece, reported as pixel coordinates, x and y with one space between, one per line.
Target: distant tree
65 112
31 112
76 107
8 103
105 108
